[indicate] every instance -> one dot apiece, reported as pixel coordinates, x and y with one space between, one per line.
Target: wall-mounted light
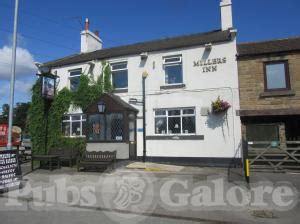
145 74
144 56
208 46
131 117
101 106
133 101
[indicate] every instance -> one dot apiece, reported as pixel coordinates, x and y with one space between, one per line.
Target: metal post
246 160
12 79
144 119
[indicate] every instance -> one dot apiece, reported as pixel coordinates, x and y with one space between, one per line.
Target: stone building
269 83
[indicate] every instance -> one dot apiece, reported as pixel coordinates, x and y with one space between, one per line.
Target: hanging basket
219 106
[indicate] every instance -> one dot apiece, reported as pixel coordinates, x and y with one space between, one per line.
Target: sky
49 30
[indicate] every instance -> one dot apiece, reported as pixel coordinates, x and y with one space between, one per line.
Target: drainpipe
145 74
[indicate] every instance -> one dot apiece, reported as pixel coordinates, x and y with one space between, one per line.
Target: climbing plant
88 91
59 106
37 118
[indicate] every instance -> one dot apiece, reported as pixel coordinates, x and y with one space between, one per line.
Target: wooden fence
267 156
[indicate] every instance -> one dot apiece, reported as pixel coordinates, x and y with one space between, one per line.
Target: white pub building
185 74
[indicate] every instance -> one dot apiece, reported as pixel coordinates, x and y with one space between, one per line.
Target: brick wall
251 81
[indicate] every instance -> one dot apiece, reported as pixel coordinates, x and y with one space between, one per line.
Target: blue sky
50 29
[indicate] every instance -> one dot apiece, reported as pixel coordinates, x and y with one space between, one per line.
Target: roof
149 46
269 47
121 102
113 102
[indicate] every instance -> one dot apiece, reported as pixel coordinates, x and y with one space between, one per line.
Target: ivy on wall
37 119
44 114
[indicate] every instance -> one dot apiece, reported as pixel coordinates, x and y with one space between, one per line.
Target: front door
132 140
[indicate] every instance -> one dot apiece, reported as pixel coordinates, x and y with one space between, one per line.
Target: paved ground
151 210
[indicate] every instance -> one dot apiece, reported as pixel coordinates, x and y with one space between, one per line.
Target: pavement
118 196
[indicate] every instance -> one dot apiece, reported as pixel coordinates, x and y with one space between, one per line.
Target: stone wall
251 81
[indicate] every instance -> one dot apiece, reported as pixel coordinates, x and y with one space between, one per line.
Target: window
262 132
276 76
75 79
106 127
173 70
74 125
175 121
119 75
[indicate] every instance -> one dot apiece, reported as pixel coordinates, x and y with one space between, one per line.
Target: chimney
226 14
86 24
89 40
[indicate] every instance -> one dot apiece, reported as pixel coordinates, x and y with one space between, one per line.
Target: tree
4 115
20 115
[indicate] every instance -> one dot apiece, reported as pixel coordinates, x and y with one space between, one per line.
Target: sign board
48 87
210 65
10 172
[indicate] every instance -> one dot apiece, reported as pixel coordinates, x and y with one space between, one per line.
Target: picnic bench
47 158
96 160
65 154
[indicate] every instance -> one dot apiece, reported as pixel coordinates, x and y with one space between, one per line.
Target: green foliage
106 74
78 143
88 91
4 115
20 115
37 119
59 106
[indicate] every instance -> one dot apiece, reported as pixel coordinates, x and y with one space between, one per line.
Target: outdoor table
48 158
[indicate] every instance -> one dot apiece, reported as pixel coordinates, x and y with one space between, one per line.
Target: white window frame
178 62
121 69
70 77
181 115
70 121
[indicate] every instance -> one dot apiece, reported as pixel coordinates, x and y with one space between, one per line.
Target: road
150 210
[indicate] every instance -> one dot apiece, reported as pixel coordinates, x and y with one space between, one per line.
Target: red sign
16 137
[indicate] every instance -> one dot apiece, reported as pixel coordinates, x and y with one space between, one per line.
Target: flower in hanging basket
220 106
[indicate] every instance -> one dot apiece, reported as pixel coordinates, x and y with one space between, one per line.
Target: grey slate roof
269 47
121 102
149 46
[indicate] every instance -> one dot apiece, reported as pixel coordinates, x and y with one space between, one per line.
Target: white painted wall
89 42
220 139
226 14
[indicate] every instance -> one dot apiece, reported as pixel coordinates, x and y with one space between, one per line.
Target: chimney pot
96 33
86 24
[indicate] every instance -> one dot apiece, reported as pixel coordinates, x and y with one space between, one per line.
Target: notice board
10 171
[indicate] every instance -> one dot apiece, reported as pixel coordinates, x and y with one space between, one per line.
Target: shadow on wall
215 121
206 54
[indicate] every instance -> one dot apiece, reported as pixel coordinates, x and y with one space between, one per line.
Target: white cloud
22 91
24 65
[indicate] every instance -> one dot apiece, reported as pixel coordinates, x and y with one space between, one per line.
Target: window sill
74 136
125 90
175 137
106 141
175 86
277 93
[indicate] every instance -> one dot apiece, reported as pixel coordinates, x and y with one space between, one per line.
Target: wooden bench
65 154
50 159
96 160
